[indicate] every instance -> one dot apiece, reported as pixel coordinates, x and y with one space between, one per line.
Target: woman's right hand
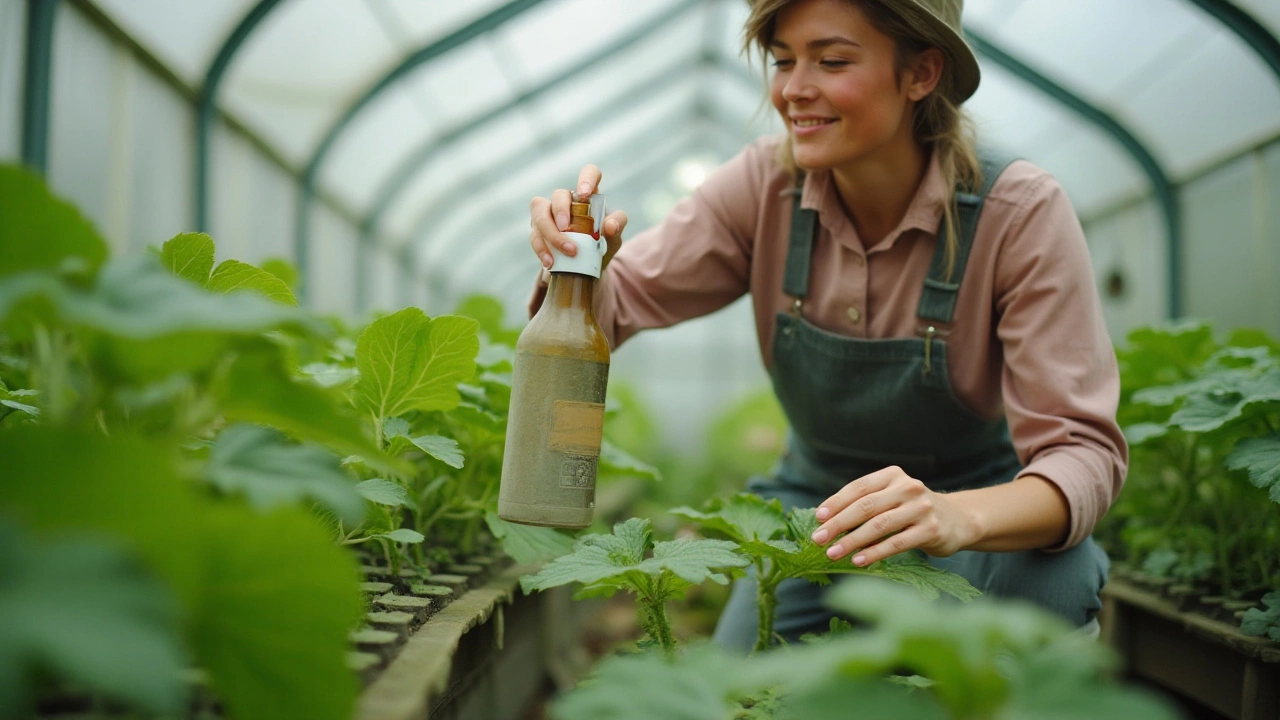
549 218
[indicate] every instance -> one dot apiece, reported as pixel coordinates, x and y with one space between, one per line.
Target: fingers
544 231
853 491
614 223
588 181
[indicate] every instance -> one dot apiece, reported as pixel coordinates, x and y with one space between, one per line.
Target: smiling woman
926 313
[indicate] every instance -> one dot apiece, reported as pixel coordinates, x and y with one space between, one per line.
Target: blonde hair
938 122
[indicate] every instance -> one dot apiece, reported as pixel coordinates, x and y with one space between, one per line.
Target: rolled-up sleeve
1060 383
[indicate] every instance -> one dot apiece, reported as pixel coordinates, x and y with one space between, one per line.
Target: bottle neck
567 290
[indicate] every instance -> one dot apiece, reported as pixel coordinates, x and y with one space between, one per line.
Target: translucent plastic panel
1266 12
465 82
160 185
558 35
232 195
1134 244
13 23
303 65
1217 99
1097 48
385 273
331 286
733 15
1223 277
82 102
185 34
1092 167
374 144
425 20
1013 114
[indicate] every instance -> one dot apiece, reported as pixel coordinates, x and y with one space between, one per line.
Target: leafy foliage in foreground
984 659
1202 500
780 548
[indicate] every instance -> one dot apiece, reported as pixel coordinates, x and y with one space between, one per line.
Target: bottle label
577 427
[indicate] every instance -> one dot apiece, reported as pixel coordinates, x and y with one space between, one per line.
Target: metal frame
1165 190
1257 37
207 107
36 82
425 54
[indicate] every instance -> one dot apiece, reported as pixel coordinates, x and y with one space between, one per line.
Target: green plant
1202 501
630 560
985 659
780 548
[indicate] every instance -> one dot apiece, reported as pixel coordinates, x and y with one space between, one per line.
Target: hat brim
963 60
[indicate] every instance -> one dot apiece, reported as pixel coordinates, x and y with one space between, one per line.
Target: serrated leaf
444 449
233 275
911 569
258 462
383 492
694 559
39 231
1233 391
189 256
283 269
408 362
743 517
527 544
402 535
596 557
31 410
82 611
1140 433
1260 457
615 460
1263 623
279 601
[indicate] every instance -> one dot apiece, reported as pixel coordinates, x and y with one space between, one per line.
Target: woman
928 317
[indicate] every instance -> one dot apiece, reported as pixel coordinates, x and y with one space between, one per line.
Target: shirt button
854 315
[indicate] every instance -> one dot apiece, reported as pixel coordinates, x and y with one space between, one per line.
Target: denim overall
856 406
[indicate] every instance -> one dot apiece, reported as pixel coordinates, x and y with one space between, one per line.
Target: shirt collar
924 213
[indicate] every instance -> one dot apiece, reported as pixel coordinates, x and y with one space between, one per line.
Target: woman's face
835 84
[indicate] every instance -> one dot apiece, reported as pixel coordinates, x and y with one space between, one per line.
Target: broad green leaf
1234 391
527 544
408 362
1264 623
279 601
495 357
615 460
488 311
329 375
82 611
873 698
693 559
383 492
258 462
402 535
1065 681
911 569
39 231
282 269
1164 355
743 517
233 275
260 390
596 557
697 686
444 449
189 256
120 487
1260 457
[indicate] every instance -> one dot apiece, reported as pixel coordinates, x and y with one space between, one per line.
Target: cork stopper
580 219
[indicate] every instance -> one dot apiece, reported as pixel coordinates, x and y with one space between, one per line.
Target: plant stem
766 605
653 618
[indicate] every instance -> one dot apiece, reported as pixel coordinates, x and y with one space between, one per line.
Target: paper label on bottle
577 427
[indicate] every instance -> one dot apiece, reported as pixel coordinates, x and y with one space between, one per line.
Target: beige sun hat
944 17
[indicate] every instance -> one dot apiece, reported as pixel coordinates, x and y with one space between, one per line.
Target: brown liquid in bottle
557 404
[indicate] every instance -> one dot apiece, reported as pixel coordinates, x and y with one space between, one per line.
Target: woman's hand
549 218
888 512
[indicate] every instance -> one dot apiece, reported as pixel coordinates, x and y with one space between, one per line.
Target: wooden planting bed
484 652
1190 654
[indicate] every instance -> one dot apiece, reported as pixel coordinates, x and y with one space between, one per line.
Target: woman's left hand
893 504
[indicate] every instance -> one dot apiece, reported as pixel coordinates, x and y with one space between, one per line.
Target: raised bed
1190 654
487 655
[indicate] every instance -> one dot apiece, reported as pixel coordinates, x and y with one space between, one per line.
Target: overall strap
804 222
938 298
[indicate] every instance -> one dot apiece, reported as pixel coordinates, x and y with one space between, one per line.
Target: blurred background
389 148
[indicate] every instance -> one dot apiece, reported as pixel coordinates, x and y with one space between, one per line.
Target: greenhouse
690 359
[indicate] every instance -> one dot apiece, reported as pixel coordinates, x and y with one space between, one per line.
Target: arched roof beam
1165 191
1239 21
36 81
207 108
419 57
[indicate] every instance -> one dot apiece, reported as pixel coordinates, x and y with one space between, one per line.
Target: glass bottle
556 419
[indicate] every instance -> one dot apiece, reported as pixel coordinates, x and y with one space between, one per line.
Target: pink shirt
1028 338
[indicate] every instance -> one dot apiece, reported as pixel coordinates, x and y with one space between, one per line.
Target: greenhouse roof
431 119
